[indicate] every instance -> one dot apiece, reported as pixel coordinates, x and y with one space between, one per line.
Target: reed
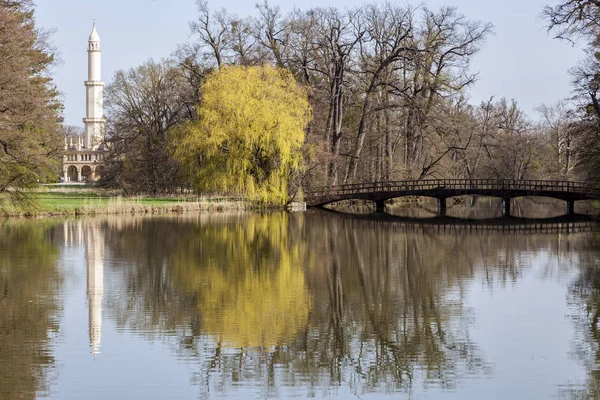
80 204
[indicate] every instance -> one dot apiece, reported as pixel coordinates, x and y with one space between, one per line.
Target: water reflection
247 278
29 307
482 207
280 305
310 301
392 306
313 300
584 302
90 235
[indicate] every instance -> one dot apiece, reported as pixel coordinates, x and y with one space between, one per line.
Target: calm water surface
296 305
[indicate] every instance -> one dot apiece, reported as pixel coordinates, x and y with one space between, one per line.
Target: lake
316 304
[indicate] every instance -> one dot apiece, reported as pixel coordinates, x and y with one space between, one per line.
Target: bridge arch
442 189
368 198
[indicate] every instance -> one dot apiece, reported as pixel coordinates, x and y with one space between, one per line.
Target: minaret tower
94 257
94 120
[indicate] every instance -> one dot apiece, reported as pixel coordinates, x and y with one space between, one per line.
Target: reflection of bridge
441 189
562 224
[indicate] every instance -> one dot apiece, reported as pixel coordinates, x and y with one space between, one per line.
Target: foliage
30 139
249 133
388 86
377 76
29 307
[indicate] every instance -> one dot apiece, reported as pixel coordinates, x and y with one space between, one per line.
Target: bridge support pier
570 207
379 206
441 207
506 207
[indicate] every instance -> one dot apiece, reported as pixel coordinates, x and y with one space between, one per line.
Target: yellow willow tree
249 133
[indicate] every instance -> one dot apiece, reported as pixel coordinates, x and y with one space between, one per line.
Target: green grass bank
89 202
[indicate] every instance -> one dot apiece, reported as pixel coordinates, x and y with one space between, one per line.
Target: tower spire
94 120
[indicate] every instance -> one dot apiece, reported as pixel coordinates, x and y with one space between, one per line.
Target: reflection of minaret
73 233
94 257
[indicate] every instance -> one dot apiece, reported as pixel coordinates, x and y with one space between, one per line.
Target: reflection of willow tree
29 284
223 275
213 282
247 279
313 300
584 302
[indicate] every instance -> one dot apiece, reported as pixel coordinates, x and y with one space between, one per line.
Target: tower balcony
93 120
93 83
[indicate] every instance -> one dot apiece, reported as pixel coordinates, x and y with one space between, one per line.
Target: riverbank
91 203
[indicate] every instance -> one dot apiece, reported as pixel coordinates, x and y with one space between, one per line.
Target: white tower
94 120
94 257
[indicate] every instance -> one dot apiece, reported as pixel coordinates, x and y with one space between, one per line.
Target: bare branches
574 19
388 85
144 105
212 30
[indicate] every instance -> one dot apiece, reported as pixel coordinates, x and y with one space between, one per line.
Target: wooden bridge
441 189
443 224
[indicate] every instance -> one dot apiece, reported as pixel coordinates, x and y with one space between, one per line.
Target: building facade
85 154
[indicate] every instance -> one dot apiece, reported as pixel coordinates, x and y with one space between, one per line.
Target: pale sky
520 61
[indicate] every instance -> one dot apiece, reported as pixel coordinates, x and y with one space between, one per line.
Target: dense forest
388 87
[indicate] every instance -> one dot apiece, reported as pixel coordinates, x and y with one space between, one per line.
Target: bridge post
506 207
441 207
379 206
570 207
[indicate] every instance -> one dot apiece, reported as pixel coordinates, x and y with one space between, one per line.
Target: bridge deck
444 188
562 224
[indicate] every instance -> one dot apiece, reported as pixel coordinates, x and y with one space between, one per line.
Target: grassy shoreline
91 203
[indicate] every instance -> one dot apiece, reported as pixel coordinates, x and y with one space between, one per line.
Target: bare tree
243 44
272 31
337 35
574 19
512 144
389 39
213 32
558 126
144 105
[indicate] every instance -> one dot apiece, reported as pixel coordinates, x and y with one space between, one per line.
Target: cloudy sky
520 61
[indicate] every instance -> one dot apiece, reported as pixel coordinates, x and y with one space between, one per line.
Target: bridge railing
457 184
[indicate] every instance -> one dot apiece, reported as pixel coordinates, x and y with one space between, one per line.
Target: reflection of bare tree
398 319
584 301
146 300
29 307
360 303
480 207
